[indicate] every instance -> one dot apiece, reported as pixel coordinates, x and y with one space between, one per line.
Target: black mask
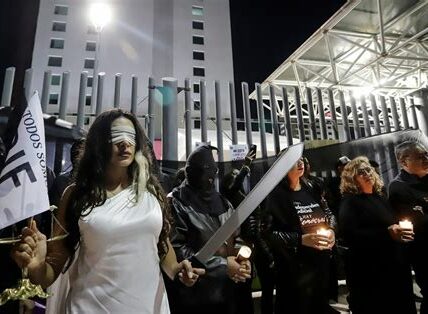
198 189
201 169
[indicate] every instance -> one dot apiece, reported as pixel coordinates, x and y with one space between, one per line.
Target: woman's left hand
331 239
187 274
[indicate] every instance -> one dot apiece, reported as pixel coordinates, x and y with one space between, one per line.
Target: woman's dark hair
89 190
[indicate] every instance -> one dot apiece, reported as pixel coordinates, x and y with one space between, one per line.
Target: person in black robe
198 211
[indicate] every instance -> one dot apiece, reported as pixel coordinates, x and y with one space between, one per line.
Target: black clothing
213 292
333 195
408 196
377 277
303 272
253 233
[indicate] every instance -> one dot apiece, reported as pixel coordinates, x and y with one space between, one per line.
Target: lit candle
406 224
244 253
323 232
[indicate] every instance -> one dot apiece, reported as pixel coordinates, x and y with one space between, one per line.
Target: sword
267 183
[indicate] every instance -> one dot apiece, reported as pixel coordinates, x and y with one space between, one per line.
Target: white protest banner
23 187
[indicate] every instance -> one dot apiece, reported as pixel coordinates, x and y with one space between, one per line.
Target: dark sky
266 32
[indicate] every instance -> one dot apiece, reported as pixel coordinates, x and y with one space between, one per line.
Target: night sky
266 32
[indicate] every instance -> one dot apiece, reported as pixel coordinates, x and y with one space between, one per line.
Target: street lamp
100 16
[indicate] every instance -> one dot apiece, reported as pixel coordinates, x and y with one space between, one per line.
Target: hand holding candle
326 240
406 230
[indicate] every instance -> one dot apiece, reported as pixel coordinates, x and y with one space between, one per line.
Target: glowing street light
99 15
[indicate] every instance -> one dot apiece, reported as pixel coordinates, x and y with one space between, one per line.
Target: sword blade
267 183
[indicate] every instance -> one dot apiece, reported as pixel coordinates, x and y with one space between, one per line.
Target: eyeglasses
419 156
364 171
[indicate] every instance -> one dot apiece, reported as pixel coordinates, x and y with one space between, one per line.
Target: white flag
23 182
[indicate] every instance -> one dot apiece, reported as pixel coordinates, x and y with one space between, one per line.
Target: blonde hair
349 185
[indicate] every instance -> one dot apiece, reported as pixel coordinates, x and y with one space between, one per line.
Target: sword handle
197 263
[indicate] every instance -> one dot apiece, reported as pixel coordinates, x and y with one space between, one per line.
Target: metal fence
285 114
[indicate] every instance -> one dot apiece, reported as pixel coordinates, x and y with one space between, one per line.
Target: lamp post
100 16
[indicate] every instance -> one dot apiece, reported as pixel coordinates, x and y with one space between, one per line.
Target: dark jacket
286 236
408 196
213 292
303 272
374 260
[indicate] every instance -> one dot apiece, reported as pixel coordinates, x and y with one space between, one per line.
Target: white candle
323 231
406 224
244 253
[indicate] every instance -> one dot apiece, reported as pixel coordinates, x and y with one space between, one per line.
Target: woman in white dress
116 214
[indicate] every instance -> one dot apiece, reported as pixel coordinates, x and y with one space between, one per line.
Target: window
89 63
197 124
198 71
57 43
86 121
90 81
88 100
196 105
198 55
197 10
91 45
55 79
54 61
61 10
53 99
92 30
196 88
197 25
198 40
59 26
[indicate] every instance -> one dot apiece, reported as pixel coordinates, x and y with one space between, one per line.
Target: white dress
117 269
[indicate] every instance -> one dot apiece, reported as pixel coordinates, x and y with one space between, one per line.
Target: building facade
157 38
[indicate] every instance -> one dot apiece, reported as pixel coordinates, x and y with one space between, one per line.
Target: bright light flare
99 15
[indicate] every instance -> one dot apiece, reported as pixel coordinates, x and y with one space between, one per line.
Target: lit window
197 10
91 45
89 63
197 25
53 99
61 10
54 61
57 43
198 40
55 79
59 26
198 55
198 71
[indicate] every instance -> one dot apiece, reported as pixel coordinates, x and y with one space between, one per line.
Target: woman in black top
301 253
378 280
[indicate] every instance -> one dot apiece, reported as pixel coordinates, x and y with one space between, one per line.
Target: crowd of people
129 243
